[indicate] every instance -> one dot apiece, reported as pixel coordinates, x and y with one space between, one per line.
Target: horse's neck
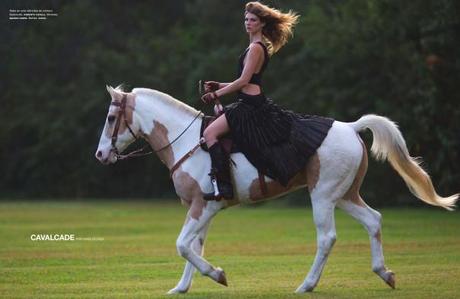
162 122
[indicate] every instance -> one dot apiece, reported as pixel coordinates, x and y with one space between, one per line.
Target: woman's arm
210 86
254 55
223 85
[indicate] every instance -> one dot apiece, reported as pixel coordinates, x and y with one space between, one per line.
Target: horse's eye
111 118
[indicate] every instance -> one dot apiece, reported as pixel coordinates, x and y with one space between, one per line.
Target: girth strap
184 158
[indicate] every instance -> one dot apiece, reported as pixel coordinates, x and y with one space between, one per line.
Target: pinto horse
333 175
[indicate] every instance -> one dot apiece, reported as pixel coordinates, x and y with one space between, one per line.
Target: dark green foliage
347 58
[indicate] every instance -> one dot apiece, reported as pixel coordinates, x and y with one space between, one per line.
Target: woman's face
252 23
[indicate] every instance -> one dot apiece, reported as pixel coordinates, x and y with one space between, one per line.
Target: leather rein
140 152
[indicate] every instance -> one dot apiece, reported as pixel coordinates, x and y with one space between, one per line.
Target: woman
276 141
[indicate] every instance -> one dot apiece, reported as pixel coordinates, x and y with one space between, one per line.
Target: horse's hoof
387 276
177 290
391 280
221 278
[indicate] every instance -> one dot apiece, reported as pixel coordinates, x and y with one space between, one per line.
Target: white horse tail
389 144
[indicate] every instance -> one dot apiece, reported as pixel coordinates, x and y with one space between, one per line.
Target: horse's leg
198 247
198 217
323 214
371 220
353 204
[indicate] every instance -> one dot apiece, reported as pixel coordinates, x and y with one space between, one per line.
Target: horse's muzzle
106 158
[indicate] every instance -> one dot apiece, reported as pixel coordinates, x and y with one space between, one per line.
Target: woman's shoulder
256 48
258 45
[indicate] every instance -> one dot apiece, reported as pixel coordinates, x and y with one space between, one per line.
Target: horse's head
120 128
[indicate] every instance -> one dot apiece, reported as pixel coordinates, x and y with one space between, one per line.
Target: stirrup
216 195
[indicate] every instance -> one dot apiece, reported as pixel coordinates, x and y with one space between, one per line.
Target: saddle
230 148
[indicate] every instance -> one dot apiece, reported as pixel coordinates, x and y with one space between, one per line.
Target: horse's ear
110 90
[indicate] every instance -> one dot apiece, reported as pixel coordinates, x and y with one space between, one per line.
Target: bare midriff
251 89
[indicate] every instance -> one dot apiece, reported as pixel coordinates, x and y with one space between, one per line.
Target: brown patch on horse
313 167
274 188
378 236
197 207
308 176
129 110
158 138
353 193
188 189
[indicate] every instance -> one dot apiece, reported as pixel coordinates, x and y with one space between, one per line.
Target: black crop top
256 77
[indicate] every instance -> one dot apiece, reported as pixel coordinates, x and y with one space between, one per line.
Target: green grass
265 251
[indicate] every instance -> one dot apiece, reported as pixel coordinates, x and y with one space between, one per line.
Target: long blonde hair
278 25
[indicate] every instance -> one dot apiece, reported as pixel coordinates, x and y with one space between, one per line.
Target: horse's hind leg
353 204
198 247
323 214
371 220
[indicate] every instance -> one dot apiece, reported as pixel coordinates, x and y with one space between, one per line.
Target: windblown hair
278 25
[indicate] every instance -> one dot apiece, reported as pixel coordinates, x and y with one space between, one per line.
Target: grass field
265 251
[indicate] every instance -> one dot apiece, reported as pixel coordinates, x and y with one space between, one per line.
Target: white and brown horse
333 175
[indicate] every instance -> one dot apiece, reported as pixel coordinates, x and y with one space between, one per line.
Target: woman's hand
210 86
209 97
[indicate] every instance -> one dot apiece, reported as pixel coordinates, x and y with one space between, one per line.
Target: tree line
347 58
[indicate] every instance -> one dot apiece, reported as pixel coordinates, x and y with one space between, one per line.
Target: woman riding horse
276 141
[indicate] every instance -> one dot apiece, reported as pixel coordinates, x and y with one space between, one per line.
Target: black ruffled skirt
277 142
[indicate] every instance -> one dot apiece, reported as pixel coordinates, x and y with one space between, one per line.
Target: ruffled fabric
276 141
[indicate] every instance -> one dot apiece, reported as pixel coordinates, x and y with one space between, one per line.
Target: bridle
121 112
139 152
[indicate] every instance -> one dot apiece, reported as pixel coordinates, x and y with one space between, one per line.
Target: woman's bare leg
216 129
220 171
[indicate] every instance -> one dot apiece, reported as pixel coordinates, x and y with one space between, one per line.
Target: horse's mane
166 98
